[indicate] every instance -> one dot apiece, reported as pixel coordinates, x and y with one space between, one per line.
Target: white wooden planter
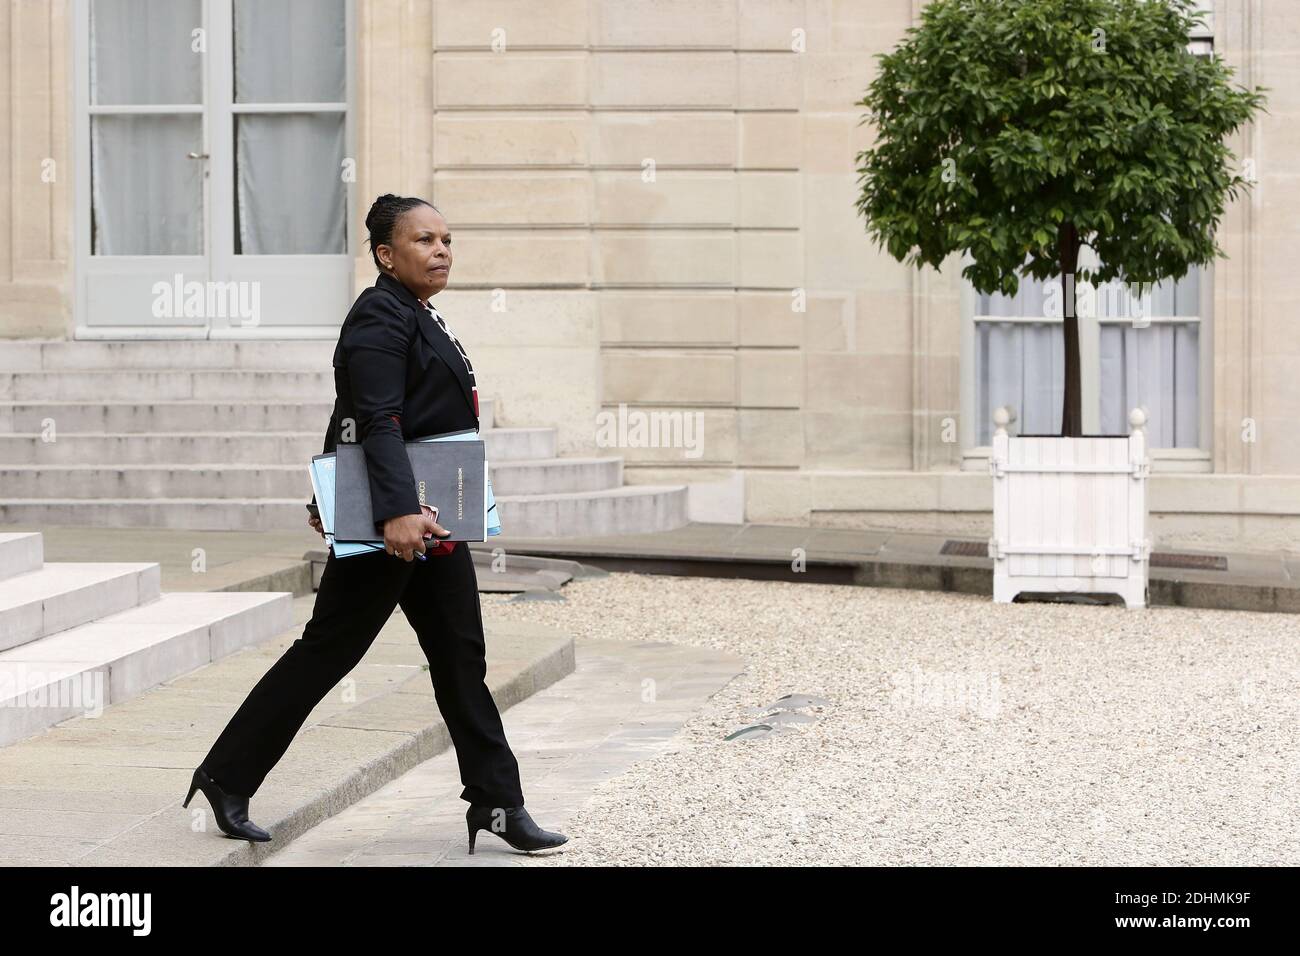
1070 514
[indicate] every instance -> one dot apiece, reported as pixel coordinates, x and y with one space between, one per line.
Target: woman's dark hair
385 213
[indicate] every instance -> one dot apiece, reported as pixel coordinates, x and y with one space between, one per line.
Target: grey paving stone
107 790
561 761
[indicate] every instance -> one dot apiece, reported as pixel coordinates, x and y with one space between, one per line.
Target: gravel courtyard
957 731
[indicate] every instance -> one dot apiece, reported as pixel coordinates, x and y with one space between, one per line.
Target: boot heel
473 832
194 786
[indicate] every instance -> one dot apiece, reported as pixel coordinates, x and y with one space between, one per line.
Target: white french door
214 173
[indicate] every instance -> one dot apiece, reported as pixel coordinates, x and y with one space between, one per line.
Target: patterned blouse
442 324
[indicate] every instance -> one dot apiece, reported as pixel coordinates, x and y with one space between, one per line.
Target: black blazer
397 376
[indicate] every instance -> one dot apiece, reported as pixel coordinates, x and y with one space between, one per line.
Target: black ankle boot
512 824
231 811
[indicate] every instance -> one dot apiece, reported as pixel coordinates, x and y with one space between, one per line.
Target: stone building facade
653 209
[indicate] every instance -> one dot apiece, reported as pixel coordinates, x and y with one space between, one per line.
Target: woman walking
399 374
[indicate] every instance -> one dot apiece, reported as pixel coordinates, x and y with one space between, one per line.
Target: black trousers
439 597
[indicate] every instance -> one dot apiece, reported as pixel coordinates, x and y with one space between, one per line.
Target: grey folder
449 475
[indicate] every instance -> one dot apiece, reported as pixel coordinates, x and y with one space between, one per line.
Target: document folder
451 475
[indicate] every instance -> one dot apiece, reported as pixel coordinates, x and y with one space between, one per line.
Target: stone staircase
216 435
76 637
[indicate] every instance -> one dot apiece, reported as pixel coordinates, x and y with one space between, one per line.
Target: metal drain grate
966 549
1189 562
1159 559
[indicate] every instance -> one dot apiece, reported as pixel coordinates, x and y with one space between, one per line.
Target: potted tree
1018 133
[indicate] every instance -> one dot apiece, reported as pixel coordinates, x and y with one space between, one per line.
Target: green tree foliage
1020 130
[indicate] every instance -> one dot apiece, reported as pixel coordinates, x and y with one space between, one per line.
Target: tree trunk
1067 244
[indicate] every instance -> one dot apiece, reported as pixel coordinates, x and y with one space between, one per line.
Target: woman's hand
315 523
404 534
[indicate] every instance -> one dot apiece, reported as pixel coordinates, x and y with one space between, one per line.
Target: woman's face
421 251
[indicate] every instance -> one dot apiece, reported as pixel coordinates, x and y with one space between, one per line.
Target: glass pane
289 190
290 51
1206 9
146 194
141 52
1157 367
1167 298
1029 300
1020 364
1111 299
1187 293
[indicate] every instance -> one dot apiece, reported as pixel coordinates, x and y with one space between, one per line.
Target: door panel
147 195
281 216
142 187
142 52
290 198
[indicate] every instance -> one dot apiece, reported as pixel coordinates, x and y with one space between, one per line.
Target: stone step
196 514
180 416
86 668
274 481
631 509
63 354
152 426
550 476
156 481
169 384
625 510
20 552
58 596
271 448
